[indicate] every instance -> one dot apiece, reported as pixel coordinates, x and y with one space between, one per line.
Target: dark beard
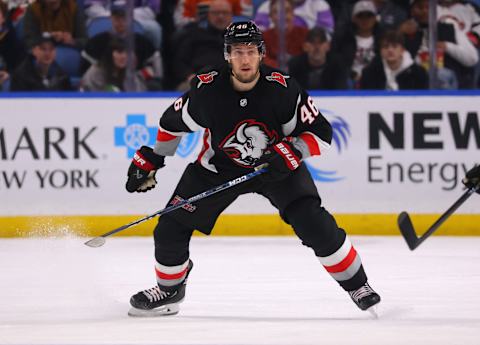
246 81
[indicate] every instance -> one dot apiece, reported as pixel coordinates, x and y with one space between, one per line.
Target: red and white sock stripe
344 263
170 275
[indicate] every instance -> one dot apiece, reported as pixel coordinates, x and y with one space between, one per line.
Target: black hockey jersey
239 126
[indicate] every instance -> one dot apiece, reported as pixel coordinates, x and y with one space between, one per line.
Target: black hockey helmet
243 32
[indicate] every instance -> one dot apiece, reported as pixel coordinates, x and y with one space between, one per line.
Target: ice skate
365 298
156 302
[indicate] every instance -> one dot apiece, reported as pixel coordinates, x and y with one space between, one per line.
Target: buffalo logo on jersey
278 77
247 142
206 78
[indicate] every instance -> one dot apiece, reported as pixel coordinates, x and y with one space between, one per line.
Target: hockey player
250 115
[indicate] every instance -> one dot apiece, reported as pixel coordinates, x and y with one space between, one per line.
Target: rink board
63 163
229 225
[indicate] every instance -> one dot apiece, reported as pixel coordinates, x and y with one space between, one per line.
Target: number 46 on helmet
243 32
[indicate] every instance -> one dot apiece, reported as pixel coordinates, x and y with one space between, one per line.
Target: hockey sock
169 277
345 266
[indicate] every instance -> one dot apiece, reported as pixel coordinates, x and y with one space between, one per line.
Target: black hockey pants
296 198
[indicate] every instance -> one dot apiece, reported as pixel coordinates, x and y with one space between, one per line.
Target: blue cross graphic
135 134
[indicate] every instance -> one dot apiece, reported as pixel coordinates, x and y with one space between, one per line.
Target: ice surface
241 291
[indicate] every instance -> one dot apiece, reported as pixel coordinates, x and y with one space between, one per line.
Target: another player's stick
409 233
100 240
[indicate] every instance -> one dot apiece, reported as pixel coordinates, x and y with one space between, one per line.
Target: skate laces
155 294
363 291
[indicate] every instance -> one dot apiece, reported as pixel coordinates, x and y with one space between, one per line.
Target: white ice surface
241 291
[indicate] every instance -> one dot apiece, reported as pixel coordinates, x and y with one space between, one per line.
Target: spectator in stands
96 8
63 19
467 16
199 47
316 68
109 74
39 71
149 60
144 12
394 69
307 13
188 11
11 49
294 35
17 9
342 14
4 76
455 51
390 14
358 45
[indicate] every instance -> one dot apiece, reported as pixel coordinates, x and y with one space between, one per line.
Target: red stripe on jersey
164 136
344 264
205 145
167 276
311 143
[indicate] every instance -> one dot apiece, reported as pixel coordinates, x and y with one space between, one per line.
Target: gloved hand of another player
141 173
472 178
282 159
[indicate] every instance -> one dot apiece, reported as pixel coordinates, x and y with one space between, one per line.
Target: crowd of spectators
67 45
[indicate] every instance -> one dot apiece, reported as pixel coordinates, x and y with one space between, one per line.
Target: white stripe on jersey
208 154
289 127
188 120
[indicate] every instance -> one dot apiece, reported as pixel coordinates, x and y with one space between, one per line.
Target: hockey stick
100 240
409 233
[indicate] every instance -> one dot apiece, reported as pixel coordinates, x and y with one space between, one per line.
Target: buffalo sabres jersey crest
240 126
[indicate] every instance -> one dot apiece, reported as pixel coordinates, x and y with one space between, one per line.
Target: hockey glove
282 159
472 178
141 173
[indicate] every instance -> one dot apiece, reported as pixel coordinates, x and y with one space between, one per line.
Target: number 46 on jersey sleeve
308 111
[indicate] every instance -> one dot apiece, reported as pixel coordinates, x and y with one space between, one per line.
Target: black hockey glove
282 159
472 178
141 173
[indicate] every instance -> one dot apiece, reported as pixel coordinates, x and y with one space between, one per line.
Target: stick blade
407 230
96 242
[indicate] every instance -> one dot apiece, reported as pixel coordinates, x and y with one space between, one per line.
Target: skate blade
373 310
165 310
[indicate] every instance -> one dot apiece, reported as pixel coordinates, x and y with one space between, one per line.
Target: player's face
245 61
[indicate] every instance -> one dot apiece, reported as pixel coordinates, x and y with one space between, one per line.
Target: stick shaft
446 214
192 199
408 231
